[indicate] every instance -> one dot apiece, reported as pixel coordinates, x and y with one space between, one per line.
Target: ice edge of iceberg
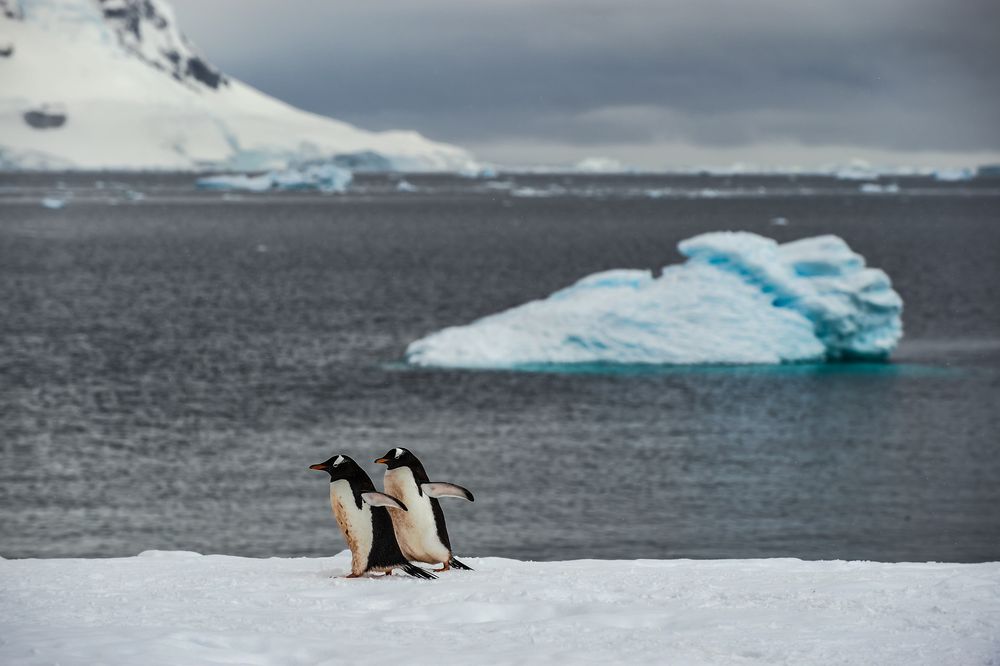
739 298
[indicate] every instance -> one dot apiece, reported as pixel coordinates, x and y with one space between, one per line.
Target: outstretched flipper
442 489
417 572
381 499
455 563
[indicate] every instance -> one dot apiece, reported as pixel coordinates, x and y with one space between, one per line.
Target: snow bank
322 177
182 608
739 298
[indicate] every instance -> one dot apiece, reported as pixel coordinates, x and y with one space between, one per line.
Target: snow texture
134 93
739 298
184 608
324 177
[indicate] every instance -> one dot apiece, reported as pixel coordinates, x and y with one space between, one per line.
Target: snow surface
129 105
324 177
184 608
739 298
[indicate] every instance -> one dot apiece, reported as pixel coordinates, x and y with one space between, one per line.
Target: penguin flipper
417 572
455 563
381 499
442 489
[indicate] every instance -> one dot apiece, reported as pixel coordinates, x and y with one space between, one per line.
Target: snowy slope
739 298
182 608
134 93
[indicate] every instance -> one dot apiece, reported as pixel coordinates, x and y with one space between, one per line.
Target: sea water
173 360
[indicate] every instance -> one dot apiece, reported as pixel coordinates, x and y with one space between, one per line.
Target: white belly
355 524
415 528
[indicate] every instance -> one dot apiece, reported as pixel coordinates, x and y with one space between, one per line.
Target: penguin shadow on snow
385 531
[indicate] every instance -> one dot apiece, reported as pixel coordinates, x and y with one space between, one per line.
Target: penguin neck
357 486
419 475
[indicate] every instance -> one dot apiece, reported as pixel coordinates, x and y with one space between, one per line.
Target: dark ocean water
171 361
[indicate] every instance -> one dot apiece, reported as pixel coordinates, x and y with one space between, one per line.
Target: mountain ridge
114 84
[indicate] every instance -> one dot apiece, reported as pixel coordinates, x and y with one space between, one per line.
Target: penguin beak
320 466
382 461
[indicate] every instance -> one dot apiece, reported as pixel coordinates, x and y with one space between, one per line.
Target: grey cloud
903 75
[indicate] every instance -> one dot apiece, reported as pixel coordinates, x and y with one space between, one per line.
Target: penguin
421 531
363 516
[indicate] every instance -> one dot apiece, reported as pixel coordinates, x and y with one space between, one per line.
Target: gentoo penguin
364 519
421 530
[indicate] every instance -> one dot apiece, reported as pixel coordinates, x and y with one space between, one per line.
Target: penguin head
340 467
398 457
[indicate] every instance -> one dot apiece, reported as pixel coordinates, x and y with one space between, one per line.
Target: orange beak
320 466
382 461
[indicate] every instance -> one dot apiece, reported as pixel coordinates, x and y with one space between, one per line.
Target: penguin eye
339 460
399 453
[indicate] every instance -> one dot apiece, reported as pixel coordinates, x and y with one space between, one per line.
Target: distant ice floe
53 203
875 188
478 170
323 177
739 298
599 165
954 175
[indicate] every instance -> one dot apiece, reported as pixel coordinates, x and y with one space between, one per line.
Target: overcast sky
651 83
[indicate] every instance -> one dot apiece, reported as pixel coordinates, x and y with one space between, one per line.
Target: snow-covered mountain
102 84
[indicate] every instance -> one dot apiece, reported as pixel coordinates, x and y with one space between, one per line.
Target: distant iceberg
953 175
875 188
739 298
599 165
324 177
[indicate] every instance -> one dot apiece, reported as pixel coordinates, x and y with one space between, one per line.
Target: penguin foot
458 564
444 567
353 575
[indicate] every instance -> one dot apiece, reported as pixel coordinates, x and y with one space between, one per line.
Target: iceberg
599 165
875 188
324 177
53 203
953 175
739 298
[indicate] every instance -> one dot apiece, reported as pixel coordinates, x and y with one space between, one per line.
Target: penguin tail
455 563
417 572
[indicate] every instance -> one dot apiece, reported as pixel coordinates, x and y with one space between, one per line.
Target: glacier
739 298
131 92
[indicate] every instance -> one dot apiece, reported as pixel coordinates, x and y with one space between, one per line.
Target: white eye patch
339 460
399 452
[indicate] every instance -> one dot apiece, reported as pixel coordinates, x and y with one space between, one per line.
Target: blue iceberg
739 298
322 176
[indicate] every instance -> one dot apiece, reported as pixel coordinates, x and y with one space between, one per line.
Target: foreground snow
182 608
739 298
134 93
